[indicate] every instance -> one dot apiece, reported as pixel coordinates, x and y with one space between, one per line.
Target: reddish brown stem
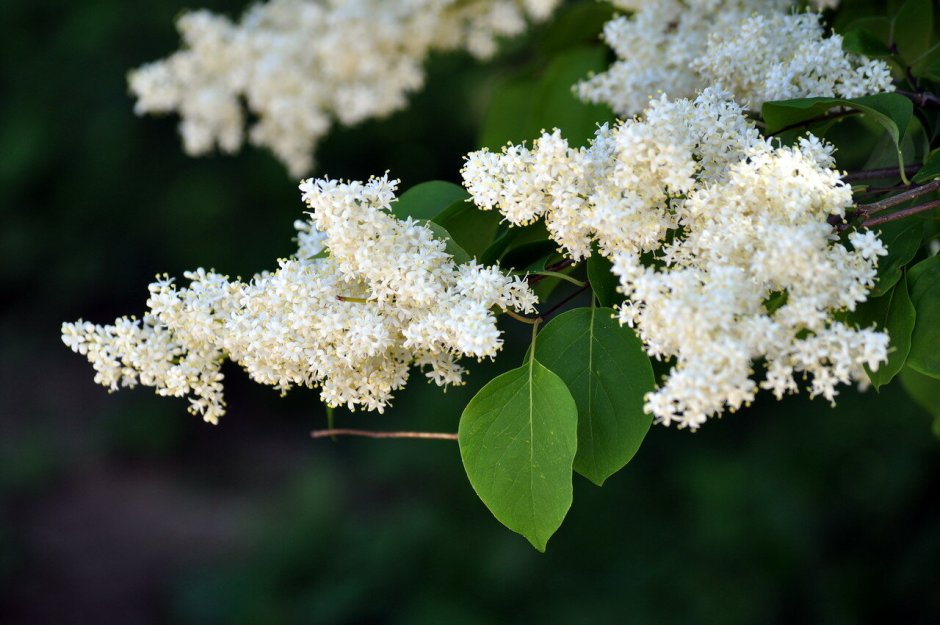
443 436
872 174
876 207
901 214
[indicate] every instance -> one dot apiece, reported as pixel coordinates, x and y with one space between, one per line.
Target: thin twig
901 214
565 301
556 274
923 99
819 118
442 436
530 320
886 172
864 210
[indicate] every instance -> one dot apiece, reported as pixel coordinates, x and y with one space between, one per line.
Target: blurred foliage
790 512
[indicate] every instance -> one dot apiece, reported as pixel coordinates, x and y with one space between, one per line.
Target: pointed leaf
518 439
607 372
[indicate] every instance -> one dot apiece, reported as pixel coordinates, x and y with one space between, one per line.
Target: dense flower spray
352 317
721 243
758 50
298 65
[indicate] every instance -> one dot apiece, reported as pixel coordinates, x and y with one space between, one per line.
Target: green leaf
428 199
607 372
474 230
522 108
924 281
581 23
451 247
862 41
912 29
518 437
893 312
930 169
510 116
902 238
603 282
925 391
891 110
556 104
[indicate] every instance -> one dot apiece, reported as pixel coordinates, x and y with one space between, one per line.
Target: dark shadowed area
125 509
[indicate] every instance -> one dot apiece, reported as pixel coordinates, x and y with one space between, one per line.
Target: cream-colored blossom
758 50
385 298
300 65
705 223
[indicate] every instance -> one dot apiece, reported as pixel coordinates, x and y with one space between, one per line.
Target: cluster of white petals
721 243
385 296
785 56
755 49
297 65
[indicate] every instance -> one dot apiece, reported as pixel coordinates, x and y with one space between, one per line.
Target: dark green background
125 509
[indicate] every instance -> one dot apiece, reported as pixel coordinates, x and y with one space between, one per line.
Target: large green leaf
519 110
518 438
924 280
510 116
902 238
428 199
556 104
893 312
573 25
607 372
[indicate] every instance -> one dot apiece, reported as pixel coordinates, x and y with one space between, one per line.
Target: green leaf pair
575 405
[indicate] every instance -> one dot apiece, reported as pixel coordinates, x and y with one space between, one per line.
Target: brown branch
863 210
901 214
565 301
886 172
443 436
923 99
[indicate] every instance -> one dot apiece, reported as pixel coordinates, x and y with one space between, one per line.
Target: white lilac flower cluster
352 321
784 56
721 244
751 48
299 64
